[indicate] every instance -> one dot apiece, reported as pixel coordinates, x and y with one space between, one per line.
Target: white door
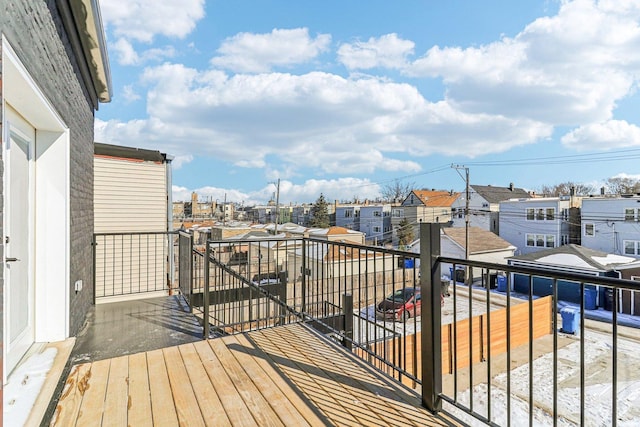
19 290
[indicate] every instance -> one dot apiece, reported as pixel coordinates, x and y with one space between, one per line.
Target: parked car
266 279
402 304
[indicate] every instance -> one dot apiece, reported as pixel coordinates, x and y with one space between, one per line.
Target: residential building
428 206
300 214
484 205
374 220
375 223
484 246
536 224
54 74
612 224
348 216
337 234
578 259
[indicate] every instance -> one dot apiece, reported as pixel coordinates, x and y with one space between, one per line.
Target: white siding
129 196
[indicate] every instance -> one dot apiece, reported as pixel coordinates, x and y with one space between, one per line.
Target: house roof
498 194
480 240
119 151
576 256
434 198
332 231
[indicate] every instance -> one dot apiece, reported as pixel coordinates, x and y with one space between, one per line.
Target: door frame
51 200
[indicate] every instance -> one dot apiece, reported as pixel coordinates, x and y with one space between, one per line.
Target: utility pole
466 214
224 211
275 231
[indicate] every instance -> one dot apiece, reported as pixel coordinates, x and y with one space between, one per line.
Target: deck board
92 409
162 406
117 395
280 376
139 410
184 398
212 410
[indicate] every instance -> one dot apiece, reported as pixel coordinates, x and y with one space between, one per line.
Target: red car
402 304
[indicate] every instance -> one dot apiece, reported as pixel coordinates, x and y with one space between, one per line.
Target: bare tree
623 185
397 190
565 188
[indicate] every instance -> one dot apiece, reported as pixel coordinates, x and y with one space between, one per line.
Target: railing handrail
545 272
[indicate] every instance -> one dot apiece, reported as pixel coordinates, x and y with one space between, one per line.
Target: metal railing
487 345
334 286
134 263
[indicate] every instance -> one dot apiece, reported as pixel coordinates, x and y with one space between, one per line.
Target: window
530 214
398 213
386 213
631 247
565 214
551 214
357 214
485 205
551 241
589 230
564 239
376 213
376 229
541 240
631 214
540 214
348 213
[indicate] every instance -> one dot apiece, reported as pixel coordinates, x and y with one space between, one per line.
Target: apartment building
612 224
537 224
484 205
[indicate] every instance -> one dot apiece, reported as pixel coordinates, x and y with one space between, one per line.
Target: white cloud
126 54
609 135
256 53
129 94
387 51
568 69
142 20
322 121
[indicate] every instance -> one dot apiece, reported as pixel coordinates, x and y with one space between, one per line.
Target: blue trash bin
502 283
570 320
590 299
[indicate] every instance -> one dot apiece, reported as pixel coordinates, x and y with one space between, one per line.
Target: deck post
347 312
431 316
205 302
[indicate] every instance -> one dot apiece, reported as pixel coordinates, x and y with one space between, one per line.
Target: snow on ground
598 387
24 385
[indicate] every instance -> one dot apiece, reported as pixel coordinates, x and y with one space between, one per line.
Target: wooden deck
282 376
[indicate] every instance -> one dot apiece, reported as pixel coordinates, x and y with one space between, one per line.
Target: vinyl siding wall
130 197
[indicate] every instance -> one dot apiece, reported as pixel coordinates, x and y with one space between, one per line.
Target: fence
128 264
338 288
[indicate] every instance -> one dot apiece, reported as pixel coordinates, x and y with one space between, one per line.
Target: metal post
303 292
431 317
94 244
205 302
347 312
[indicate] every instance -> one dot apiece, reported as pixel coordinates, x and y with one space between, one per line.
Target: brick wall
35 31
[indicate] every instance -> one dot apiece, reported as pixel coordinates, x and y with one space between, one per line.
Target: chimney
511 186
572 191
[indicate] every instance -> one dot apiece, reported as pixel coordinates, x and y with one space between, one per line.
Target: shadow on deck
286 375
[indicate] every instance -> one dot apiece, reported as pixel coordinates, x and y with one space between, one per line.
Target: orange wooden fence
472 344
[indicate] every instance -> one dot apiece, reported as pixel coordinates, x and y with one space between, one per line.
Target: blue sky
345 97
